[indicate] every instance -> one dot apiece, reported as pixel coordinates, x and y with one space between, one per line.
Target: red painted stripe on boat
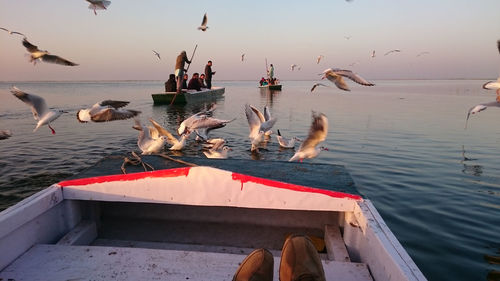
170 173
245 178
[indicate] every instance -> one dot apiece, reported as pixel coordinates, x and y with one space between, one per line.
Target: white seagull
259 124
392 51
319 59
157 54
146 142
107 110
217 149
5 134
317 134
177 144
373 53
293 66
203 26
201 120
286 143
13 32
316 85
242 57
336 75
39 108
480 107
98 5
36 54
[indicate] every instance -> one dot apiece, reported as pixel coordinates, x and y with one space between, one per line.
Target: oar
191 61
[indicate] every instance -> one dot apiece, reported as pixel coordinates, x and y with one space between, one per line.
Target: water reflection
269 95
474 170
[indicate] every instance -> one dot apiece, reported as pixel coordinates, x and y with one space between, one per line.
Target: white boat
194 223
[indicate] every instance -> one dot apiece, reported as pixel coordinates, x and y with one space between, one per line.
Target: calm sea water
435 184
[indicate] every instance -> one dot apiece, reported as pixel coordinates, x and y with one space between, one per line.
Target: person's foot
300 260
257 266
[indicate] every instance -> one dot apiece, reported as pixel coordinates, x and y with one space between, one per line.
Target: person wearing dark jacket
179 69
171 85
208 74
202 80
194 83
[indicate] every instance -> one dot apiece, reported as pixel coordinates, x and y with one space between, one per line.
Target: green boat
189 96
276 87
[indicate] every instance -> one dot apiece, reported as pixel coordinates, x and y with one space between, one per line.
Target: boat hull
272 87
188 97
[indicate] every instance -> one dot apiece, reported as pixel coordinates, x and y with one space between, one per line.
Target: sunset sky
117 44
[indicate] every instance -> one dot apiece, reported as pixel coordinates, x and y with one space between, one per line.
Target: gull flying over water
293 66
260 124
45 56
98 5
5 134
159 131
316 85
146 142
317 134
39 108
13 32
480 107
373 53
286 143
319 59
392 51
336 75
203 26
201 120
107 110
242 57
157 54
422 53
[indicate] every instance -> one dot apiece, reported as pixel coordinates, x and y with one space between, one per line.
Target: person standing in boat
194 83
171 85
208 74
271 73
179 69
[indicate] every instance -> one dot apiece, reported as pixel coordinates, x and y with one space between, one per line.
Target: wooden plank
83 234
55 262
335 246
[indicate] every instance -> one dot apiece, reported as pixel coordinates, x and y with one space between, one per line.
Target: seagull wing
354 77
38 105
258 113
267 113
337 79
209 123
113 103
57 60
204 21
30 47
478 108
498 45
317 132
253 121
164 132
110 114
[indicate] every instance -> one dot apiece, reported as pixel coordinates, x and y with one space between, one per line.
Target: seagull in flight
319 59
336 75
157 54
422 53
242 57
104 111
392 51
159 131
316 85
201 120
12 32
260 124
98 5
203 26
373 53
480 107
286 143
45 56
146 142
293 66
39 108
317 134
5 134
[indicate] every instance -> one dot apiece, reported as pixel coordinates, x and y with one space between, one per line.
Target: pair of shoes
299 262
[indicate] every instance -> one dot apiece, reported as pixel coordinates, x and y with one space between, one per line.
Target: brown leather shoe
257 266
300 260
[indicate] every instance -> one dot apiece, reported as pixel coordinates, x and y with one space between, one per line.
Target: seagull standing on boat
335 75
39 108
108 110
203 26
36 54
12 32
177 144
286 143
317 134
5 134
157 54
146 143
98 5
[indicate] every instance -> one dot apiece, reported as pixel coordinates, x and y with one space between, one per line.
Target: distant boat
194 223
189 96
276 87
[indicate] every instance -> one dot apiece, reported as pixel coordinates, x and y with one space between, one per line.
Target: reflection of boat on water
276 87
196 223
189 96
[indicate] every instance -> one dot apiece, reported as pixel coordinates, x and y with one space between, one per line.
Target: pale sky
117 44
